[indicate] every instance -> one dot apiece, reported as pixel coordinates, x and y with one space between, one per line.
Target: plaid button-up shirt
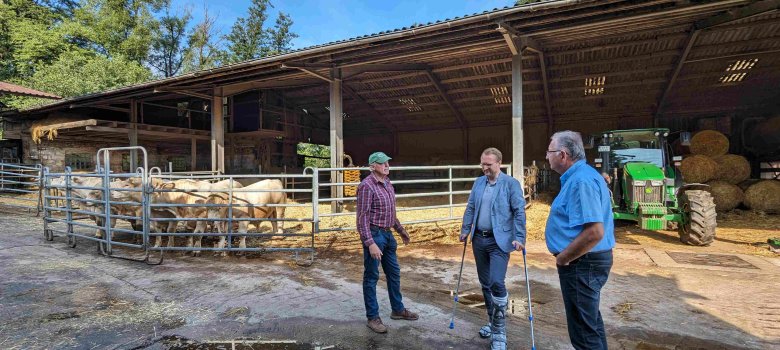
376 206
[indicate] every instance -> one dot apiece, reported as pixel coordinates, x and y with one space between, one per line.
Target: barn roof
583 60
13 89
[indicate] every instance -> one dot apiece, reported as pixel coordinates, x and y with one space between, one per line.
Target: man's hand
560 262
373 249
405 239
518 246
463 237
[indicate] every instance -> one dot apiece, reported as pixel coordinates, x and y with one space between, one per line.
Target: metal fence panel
20 186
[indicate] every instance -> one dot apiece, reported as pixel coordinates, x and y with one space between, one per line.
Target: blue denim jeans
581 283
491 268
386 242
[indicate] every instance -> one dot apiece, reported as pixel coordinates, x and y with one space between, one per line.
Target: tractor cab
645 184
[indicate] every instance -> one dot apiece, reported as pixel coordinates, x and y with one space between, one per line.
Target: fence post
450 182
46 215
315 200
69 204
107 200
40 189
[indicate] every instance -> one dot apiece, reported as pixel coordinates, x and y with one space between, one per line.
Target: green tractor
647 186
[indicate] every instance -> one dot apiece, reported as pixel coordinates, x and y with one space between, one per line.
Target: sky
322 21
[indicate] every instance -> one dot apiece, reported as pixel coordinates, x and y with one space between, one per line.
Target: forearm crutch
530 309
457 286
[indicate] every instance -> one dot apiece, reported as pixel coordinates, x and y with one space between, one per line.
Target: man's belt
483 233
380 227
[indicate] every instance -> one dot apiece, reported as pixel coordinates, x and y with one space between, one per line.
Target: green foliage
525 2
29 38
248 39
314 155
75 47
81 72
280 35
166 55
202 45
117 27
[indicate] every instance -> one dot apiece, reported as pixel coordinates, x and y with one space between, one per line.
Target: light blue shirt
483 218
584 198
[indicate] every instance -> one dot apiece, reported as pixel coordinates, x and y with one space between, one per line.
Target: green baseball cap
378 157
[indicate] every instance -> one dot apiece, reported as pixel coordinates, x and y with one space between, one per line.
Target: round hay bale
744 185
726 196
709 143
764 196
698 169
732 168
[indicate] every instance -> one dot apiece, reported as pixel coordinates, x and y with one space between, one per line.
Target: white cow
248 204
194 194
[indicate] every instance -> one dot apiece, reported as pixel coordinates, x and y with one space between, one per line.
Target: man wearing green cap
375 217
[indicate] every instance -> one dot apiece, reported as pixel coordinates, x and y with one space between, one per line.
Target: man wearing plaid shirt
375 217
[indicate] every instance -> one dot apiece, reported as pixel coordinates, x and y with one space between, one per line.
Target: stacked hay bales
698 169
764 196
701 167
726 196
732 168
709 143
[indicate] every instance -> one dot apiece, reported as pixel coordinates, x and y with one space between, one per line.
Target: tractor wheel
698 208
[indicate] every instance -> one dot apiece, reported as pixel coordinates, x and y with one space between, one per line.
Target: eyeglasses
487 164
557 150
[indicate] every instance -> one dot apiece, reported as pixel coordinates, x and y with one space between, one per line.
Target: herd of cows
178 200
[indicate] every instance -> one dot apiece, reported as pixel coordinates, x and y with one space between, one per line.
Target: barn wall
53 154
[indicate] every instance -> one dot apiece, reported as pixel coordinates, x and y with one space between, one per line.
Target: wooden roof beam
185 92
357 97
306 70
447 99
738 13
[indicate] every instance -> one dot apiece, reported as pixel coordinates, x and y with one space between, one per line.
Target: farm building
439 93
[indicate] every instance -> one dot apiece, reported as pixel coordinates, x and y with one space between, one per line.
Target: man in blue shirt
495 214
581 234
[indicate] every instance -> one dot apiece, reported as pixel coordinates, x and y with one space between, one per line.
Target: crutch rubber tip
452 325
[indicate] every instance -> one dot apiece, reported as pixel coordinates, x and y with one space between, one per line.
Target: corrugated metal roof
13 89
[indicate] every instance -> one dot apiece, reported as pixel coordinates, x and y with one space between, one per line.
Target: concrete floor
56 297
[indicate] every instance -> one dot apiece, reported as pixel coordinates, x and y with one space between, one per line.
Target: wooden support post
336 137
217 134
133 135
193 154
517 118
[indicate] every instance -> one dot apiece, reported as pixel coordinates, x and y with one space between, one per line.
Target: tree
202 45
116 27
166 55
80 72
280 35
30 36
247 38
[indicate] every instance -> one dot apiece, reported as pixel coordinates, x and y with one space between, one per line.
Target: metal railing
95 207
20 186
262 199
449 185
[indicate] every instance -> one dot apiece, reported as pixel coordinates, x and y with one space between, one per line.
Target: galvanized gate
74 203
20 186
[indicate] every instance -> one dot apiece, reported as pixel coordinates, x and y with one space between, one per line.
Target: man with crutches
495 215
580 233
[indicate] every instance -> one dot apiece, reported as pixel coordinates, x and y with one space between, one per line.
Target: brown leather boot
404 315
376 325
